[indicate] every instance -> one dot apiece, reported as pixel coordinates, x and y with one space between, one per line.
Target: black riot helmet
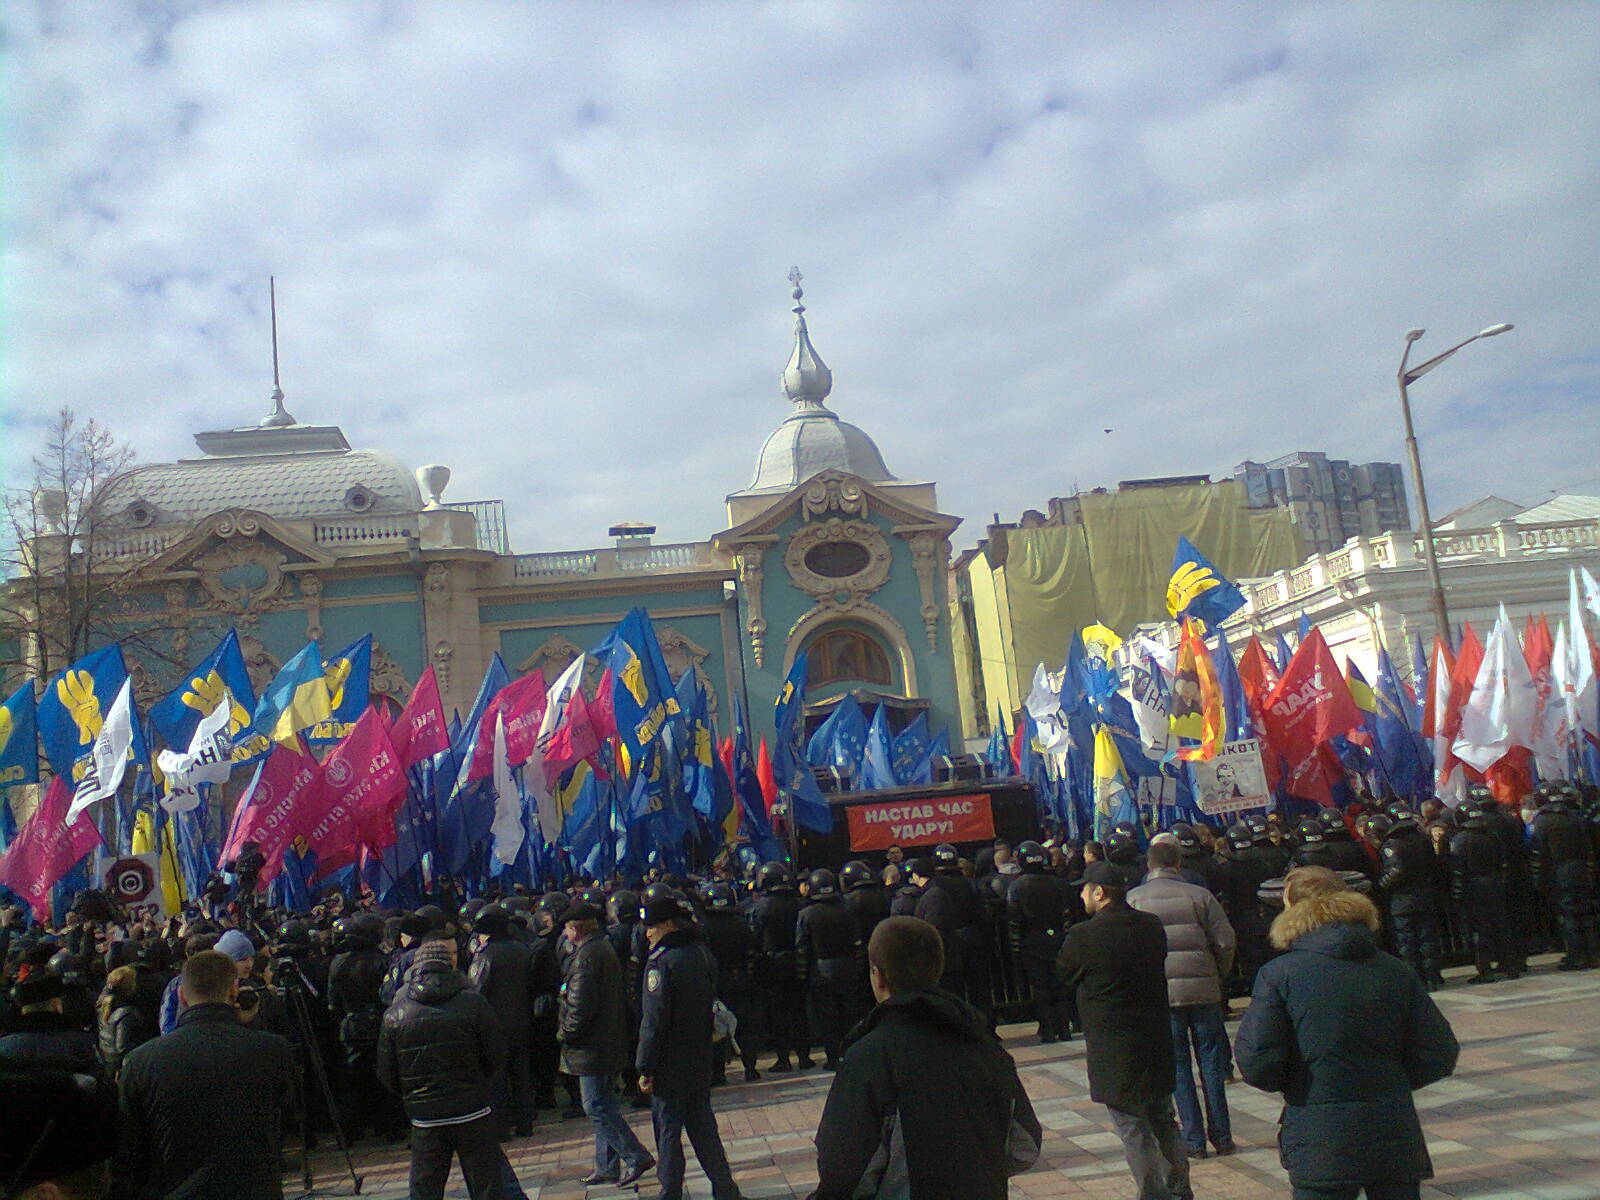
594 897
294 933
773 877
1032 856
945 858
623 907
1379 826
1183 833
855 874
554 904
364 931
822 884
1333 824
1260 831
1398 810
1239 836
1121 849
720 897
1310 832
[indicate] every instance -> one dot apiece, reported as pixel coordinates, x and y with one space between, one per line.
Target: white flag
209 759
1044 704
1143 691
1499 713
1450 783
1571 694
108 757
560 700
546 804
507 828
1591 591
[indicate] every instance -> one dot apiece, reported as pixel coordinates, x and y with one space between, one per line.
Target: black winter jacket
502 973
893 1125
1346 1033
825 937
593 1029
51 1035
123 1030
440 1045
675 1025
203 1108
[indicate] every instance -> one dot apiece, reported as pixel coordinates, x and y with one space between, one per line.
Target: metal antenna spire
279 416
795 277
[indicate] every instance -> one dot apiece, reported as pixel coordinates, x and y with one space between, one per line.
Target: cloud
546 244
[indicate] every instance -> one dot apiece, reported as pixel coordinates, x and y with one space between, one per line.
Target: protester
440 1049
594 1043
675 1053
1116 961
123 1024
43 1032
203 1107
892 1125
1346 1032
1200 946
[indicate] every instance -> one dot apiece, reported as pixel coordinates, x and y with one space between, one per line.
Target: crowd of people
184 1057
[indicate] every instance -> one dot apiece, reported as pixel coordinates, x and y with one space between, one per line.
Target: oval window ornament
837 560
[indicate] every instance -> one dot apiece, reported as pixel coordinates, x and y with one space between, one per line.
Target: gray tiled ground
1520 1120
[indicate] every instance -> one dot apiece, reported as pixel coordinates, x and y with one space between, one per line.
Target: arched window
847 656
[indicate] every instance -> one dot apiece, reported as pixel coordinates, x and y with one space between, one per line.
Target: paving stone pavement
1520 1119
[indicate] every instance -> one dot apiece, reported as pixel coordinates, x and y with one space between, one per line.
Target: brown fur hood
1316 911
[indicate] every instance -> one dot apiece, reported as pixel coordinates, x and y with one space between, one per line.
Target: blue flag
74 706
1237 724
1303 631
1398 745
295 700
910 748
849 738
877 761
1281 653
644 699
19 739
999 749
1197 589
753 823
939 748
175 716
806 803
1419 683
349 677
468 812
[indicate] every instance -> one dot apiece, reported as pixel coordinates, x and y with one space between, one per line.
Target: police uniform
826 941
1407 872
772 919
1561 854
676 1055
1036 918
1478 863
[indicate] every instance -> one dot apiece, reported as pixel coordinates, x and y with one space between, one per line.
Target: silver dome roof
812 438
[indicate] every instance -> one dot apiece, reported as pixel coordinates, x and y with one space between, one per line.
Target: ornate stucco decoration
238 557
833 492
555 655
930 554
839 592
311 593
750 576
387 677
177 598
443 652
145 689
258 663
683 653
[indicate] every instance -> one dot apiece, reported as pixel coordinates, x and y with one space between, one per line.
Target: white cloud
510 236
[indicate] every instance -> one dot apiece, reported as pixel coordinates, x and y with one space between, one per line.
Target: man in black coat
1561 854
893 1125
1346 1033
439 1050
202 1107
592 1031
825 937
1116 961
773 918
1036 917
502 973
43 1032
675 1053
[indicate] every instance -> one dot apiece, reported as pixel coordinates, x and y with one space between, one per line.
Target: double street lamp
1408 376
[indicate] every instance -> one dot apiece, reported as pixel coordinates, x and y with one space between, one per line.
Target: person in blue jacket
1346 1032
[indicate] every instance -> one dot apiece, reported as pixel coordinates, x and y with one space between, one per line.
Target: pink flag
1309 705
572 741
521 703
269 813
421 731
47 848
357 793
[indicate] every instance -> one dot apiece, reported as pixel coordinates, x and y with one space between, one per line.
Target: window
837 560
847 655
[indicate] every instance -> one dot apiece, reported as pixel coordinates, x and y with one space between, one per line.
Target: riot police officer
1198 861
547 968
953 899
733 945
772 919
1561 855
354 978
868 903
1312 849
1255 860
1036 919
1479 883
1264 847
1346 854
825 938
1513 837
1407 873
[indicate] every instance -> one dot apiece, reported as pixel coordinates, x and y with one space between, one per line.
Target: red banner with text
924 822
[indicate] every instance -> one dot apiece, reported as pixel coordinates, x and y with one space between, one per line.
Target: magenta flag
521 702
269 813
356 796
421 731
47 848
572 741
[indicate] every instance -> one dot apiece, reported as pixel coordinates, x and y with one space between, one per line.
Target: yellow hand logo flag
1187 582
633 680
6 725
337 675
203 695
76 692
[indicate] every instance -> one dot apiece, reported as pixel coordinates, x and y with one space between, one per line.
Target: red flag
603 711
1258 674
1462 676
521 703
767 777
269 813
47 848
1311 704
572 741
356 796
421 732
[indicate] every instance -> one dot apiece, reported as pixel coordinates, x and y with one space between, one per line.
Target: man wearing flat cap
592 1029
675 1055
1116 961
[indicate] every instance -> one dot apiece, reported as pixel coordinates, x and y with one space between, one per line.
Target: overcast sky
545 244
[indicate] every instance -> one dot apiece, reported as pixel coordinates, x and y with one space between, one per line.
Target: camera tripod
296 993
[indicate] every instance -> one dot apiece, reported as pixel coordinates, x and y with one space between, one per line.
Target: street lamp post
1441 613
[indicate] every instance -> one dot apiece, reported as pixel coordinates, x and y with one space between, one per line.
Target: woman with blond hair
1346 1032
123 1023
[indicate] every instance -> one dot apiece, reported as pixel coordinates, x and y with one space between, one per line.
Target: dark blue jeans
674 1116
1351 1191
1200 1026
615 1145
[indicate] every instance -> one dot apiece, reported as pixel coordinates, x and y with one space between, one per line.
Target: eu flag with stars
795 780
910 748
1197 589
